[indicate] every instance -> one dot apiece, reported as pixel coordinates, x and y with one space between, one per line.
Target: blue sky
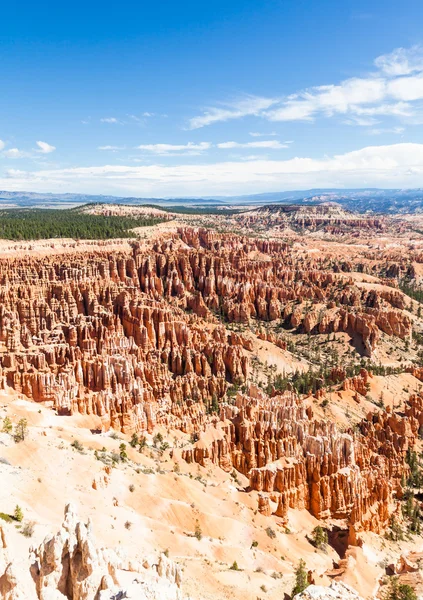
195 98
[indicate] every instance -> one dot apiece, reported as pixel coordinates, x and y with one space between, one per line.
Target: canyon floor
206 394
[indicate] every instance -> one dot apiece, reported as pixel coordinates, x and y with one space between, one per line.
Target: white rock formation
69 565
336 591
9 585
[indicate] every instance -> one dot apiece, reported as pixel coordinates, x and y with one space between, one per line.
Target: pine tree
7 425
18 514
21 430
301 579
320 537
399 591
122 452
134 441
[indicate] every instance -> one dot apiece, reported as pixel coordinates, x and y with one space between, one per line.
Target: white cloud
2 145
397 165
167 149
112 120
272 144
246 106
114 148
361 121
394 90
258 134
380 131
402 61
14 153
45 148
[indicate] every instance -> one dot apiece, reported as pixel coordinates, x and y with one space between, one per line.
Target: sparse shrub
6 517
254 544
76 445
28 529
128 525
277 575
234 566
132 488
263 588
134 441
271 533
114 457
18 514
157 439
114 435
197 532
176 468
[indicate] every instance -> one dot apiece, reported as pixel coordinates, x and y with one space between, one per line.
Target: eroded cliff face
297 461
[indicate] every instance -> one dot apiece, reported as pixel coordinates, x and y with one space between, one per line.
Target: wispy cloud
394 89
258 134
111 120
14 153
45 148
246 106
2 145
380 131
271 144
167 149
113 148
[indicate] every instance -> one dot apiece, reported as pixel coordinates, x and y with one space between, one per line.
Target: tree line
36 224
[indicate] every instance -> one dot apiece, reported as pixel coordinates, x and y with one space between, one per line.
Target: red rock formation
358 383
296 461
133 336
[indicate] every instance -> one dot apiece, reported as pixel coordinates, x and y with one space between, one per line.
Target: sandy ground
45 473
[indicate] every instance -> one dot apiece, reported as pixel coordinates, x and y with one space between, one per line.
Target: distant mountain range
362 200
